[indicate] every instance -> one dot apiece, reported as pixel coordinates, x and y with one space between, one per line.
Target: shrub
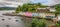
38 23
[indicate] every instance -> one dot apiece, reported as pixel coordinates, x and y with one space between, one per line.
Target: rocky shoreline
10 14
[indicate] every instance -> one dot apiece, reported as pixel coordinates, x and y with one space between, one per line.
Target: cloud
57 1
15 3
12 3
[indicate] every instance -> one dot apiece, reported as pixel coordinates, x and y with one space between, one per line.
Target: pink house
28 14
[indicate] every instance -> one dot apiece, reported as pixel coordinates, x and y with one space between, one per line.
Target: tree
30 7
18 9
38 23
24 8
57 7
58 24
38 4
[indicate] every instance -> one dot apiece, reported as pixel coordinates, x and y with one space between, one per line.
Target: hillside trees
57 7
18 9
30 7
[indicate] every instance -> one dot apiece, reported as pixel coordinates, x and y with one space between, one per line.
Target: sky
15 3
42 1
47 2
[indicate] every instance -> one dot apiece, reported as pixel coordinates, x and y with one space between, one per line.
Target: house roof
48 9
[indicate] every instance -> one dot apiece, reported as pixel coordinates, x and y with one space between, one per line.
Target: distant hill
54 5
7 8
57 5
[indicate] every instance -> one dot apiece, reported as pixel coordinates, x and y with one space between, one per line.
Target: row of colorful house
41 12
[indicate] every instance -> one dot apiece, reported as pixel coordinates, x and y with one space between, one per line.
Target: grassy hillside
7 8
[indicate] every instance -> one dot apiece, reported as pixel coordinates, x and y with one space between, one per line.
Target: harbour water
10 21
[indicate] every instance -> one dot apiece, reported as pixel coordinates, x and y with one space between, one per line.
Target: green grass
58 24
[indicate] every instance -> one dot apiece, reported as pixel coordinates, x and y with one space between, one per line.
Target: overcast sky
11 3
15 3
47 2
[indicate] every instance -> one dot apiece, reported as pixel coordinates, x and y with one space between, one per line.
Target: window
50 16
